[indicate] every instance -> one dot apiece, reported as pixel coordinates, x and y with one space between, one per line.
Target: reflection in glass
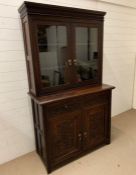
86 53
52 43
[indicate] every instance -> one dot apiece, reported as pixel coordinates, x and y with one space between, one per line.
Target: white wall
134 93
130 3
16 126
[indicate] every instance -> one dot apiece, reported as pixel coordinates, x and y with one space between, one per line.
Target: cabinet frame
51 107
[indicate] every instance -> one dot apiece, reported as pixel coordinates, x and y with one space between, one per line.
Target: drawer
63 106
77 102
98 98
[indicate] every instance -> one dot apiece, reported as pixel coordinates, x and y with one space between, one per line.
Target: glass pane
86 53
52 43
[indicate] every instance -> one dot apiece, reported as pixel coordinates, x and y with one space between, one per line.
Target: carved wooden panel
64 130
95 128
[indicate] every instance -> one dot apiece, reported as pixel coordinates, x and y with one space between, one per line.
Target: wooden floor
118 158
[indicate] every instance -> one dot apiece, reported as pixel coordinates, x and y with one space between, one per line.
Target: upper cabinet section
63 47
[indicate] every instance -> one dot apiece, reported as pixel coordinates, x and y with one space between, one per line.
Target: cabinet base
55 167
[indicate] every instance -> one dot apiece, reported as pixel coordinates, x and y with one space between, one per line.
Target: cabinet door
94 126
87 56
64 135
53 55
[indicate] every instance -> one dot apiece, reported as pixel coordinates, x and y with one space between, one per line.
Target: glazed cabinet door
52 55
64 135
94 133
87 53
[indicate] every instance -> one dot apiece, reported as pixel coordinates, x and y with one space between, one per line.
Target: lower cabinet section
67 129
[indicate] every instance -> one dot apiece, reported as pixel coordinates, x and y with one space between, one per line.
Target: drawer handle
66 106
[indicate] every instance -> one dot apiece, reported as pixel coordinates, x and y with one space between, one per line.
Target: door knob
70 62
75 62
79 136
85 134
